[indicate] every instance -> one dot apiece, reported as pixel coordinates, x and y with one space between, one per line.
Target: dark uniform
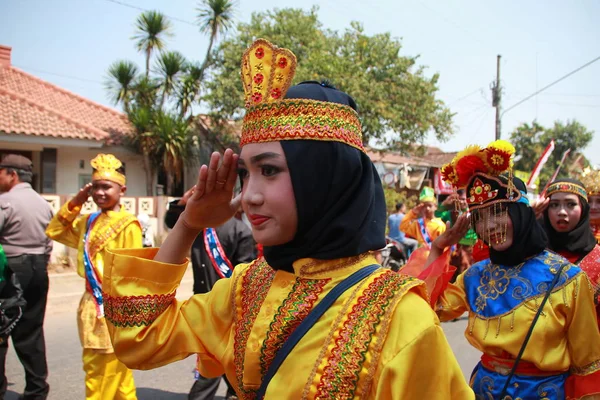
24 215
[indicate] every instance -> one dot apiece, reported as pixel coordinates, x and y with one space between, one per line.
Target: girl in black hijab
502 294
316 204
566 219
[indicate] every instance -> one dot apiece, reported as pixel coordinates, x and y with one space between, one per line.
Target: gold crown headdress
591 180
106 166
267 73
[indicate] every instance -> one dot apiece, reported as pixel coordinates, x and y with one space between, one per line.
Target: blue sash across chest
493 290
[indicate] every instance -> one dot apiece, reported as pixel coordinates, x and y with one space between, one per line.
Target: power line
552 84
124 4
465 96
60 75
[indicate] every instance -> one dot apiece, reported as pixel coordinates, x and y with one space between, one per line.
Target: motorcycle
393 255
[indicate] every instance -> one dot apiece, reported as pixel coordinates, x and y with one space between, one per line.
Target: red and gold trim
130 311
290 314
566 187
302 119
583 382
254 286
348 362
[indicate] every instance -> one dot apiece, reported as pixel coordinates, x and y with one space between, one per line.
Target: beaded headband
591 180
267 73
566 187
105 166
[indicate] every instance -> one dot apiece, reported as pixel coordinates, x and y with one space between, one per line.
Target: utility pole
497 97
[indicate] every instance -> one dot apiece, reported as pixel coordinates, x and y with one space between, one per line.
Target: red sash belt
503 366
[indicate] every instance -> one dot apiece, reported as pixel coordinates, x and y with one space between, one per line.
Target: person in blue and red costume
557 357
566 220
317 205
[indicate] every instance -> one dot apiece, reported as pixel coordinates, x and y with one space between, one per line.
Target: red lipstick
257 219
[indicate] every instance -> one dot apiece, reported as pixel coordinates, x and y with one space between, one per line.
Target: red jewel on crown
481 192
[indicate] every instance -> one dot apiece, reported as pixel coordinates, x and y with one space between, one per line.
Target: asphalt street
171 382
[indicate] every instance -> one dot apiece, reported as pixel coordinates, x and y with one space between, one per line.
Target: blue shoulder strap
309 321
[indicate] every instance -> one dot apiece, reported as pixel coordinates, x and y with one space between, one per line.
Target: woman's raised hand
211 204
453 235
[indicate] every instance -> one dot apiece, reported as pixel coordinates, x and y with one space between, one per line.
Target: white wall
68 169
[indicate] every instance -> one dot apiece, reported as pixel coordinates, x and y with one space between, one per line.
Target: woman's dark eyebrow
263 156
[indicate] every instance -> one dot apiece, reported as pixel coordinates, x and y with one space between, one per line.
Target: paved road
168 383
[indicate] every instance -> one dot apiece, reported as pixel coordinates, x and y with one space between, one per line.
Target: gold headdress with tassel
591 180
267 73
479 171
105 166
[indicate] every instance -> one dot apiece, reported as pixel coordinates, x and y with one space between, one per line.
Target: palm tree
152 27
169 66
120 81
174 145
145 92
144 141
215 17
189 89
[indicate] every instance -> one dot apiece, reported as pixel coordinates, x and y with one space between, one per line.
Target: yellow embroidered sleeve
67 226
410 378
583 336
149 328
453 302
409 225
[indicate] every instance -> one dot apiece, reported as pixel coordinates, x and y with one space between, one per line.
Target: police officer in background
24 215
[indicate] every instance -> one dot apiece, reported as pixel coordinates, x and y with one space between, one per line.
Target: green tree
169 67
120 82
152 29
215 17
396 100
531 140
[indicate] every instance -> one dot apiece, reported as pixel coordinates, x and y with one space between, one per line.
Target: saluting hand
210 202
81 196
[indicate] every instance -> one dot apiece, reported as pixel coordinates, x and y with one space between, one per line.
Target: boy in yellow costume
421 222
93 235
317 206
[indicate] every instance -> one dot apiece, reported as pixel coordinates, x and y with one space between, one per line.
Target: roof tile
31 106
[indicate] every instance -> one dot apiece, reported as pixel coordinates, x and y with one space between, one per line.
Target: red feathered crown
476 169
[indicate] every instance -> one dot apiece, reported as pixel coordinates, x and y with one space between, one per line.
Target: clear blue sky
539 41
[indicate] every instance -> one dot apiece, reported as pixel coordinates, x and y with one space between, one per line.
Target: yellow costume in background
106 376
380 340
410 226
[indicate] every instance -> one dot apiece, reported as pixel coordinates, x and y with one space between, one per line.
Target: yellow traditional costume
93 235
425 230
503 294
378 340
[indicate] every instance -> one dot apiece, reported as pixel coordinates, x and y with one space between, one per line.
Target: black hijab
529 238
581 239
339 197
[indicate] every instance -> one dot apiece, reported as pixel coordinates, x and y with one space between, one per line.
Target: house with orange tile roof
60 132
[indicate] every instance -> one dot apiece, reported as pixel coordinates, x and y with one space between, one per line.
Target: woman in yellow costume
566 220
316 204
531 312
110 228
